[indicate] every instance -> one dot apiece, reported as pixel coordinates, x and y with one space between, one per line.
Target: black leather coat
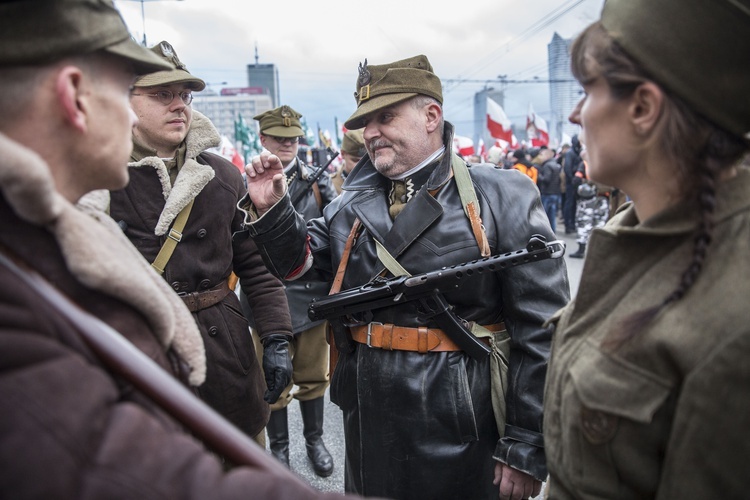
299 293
422 426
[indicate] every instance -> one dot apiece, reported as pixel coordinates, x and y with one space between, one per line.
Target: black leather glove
277 366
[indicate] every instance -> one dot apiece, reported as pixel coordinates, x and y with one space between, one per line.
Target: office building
564 90
225 108
266 77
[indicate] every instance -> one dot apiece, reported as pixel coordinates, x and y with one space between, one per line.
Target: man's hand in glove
277 365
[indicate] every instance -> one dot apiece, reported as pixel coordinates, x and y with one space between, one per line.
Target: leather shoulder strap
339 278
470 202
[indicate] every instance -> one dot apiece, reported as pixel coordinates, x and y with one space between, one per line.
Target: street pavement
333 433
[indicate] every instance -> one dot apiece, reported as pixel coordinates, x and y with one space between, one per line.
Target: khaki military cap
280 122
698 49
387 84
36 32
354 143
177 72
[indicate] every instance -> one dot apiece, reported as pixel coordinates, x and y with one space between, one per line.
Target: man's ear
646 106
70 96
433 115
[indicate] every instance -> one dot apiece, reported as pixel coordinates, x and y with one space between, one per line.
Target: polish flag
497 122
508 145
227 150
463 145
536 129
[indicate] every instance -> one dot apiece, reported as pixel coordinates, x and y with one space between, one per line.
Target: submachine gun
354 307
314 178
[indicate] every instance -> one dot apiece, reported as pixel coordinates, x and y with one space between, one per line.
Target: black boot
579 253
312 420
278 436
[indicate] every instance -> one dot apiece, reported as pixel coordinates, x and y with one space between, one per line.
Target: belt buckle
369 332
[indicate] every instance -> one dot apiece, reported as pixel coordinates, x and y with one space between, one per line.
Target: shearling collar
193 176
97 253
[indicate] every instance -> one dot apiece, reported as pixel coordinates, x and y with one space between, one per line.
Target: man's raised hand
266 183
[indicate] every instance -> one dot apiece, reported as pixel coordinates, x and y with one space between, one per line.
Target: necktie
397 198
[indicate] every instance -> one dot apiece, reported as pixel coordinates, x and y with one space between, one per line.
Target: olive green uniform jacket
667 415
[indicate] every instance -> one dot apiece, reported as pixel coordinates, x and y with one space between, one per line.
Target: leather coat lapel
418 215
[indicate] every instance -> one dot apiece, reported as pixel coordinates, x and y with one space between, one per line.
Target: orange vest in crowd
532 172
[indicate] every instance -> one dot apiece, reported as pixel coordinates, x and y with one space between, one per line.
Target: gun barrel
383 293
451 275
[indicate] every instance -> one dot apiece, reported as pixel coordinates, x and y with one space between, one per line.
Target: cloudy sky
317 46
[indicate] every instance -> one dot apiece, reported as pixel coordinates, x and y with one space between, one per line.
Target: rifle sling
124 360
470 202
336 288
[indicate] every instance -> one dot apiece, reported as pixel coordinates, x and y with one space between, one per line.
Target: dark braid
701 151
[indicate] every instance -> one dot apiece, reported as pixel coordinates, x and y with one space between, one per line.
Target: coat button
176 286
201 233
597 426
308 285
204 284
213 331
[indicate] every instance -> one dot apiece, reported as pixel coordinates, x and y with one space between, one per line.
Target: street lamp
143 17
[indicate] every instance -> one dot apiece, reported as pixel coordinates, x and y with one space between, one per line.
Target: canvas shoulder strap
173 238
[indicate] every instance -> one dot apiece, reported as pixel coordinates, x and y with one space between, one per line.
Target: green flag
247 137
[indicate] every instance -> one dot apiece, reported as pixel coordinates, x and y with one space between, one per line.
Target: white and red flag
536 129
497 122
463 145
228 151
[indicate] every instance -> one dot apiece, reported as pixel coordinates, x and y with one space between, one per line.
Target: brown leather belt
402 338
196 301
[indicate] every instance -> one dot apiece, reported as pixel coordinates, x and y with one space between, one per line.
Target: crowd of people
567 192
153 313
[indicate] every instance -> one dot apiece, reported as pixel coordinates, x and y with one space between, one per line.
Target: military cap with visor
177 72
280 122
354 143
385 85
697 49
38 32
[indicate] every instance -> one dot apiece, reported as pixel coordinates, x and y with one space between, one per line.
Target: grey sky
318 45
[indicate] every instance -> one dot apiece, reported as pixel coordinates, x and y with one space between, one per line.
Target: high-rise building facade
223 110
564 90
265 76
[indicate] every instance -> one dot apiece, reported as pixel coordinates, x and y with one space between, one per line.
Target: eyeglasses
167 96
285 140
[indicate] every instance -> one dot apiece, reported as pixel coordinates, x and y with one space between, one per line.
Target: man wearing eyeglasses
280 132
172 176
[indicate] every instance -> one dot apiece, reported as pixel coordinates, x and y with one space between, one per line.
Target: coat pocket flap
615 386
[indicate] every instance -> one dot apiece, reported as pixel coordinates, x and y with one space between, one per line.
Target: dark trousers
569 207
551 202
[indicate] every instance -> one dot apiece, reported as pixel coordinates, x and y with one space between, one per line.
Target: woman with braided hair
648 389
